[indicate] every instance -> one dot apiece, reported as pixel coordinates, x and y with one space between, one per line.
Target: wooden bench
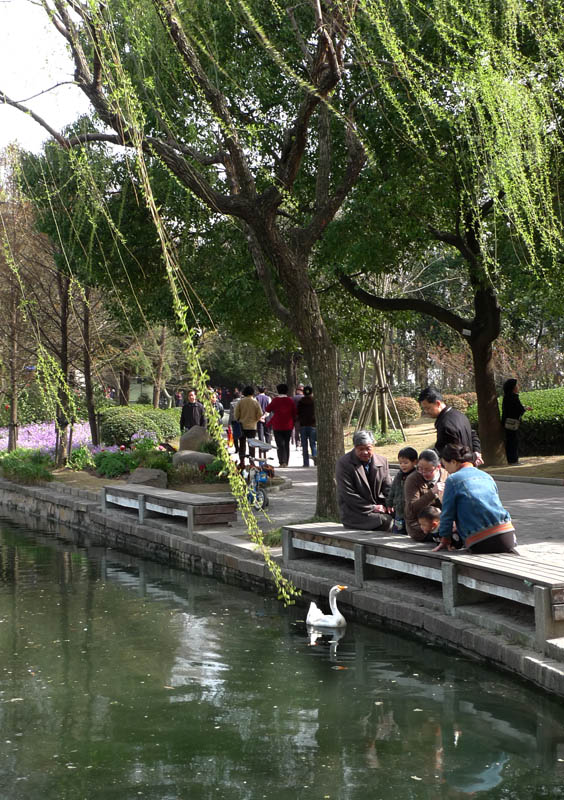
466 579
197 509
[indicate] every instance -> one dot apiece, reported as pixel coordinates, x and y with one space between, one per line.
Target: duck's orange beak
340 588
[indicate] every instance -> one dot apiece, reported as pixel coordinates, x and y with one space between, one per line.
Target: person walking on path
471 500
284 415
247 414
452 426
423 488
512 409
308 430
297 400
263 431
192 413
363 481
234 424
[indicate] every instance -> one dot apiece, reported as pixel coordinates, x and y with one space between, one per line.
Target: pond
121 678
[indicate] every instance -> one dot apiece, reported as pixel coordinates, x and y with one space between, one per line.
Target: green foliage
112 465
80 458
456 401
210 447
391 437
120 423
541 432
184 473
26 466
214 472
408 409
158 459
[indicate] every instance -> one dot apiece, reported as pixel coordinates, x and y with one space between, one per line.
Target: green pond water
120 678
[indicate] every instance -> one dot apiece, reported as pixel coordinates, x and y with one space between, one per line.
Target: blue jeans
308 434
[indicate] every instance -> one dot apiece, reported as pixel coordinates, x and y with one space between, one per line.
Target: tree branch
439 313
166 9
4 99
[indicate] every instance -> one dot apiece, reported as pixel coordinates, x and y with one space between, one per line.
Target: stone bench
148 501
466 579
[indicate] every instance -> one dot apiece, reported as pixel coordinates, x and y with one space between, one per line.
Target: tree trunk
123 391
13 424
489 425
160 367
63 409
87 366
321 355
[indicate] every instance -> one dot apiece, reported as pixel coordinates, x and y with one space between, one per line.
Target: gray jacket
358 493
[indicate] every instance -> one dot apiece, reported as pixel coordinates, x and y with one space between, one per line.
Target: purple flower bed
41 436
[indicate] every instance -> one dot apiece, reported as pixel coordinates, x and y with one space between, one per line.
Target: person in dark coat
512 410
452 426
192 413
363 481
308 429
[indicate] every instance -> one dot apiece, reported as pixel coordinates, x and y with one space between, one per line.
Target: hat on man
362 437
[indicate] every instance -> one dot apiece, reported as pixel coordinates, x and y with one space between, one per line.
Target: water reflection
122 678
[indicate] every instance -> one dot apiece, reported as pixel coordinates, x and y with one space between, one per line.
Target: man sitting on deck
363 481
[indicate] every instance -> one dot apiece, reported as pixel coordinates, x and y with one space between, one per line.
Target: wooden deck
148 501
466 579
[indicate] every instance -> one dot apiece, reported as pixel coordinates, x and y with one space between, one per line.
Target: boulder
149 477
194 438
192 457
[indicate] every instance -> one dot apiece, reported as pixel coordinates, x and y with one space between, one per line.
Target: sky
33 58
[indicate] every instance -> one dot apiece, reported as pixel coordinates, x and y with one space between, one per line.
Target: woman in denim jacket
471 501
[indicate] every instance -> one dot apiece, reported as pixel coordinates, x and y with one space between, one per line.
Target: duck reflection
324 635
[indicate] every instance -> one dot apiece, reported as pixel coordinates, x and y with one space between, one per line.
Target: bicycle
256 476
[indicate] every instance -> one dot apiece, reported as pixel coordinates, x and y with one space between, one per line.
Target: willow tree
253 107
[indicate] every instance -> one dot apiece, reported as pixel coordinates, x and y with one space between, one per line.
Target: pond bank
496 632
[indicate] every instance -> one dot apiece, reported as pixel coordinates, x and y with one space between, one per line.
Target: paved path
537 510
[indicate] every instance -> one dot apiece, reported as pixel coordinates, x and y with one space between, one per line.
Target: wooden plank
323 549
406 567
499 590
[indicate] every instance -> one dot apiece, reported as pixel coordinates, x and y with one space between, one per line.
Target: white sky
33 57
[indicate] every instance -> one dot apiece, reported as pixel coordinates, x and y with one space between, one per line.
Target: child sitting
407 459
429 520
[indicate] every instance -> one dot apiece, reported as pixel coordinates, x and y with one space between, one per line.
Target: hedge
119 423
541 432
408 409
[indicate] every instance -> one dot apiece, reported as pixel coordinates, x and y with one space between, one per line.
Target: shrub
346 409
166 425
210 447
119 424
112 464
80 458
184 473
470 397
541 432
408 409
26 466
456 401
213 472
158 459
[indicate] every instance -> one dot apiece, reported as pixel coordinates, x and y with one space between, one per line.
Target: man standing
192 413
247 413
363 481
263 432
452 426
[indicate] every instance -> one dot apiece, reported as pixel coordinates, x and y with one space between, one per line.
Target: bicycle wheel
261 498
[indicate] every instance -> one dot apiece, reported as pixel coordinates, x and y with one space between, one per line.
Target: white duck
333 620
